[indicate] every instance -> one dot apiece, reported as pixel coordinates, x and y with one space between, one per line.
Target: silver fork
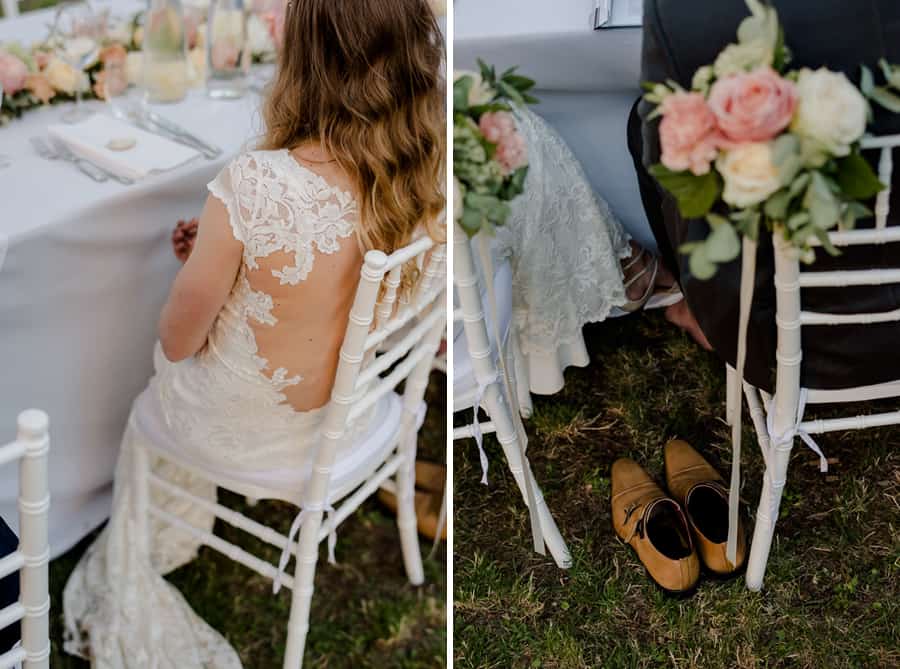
45 151
67 154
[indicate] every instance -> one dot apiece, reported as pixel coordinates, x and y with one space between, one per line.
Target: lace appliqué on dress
564 243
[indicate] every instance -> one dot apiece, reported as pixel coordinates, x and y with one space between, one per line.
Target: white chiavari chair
778 419
364 381
485 389
32 558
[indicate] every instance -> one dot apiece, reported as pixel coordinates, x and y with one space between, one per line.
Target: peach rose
42 59
114 54
13 73
688 134
753 106
38 86
496 125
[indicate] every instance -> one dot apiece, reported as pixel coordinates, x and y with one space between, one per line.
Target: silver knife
208 150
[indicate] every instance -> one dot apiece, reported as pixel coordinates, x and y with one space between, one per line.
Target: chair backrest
389 340
33 555
10 8
789 281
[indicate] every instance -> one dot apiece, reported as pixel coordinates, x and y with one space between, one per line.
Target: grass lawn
832 593
365 613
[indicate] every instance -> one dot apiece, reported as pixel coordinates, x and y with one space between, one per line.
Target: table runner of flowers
34 75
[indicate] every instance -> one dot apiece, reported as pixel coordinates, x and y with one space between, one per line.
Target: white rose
480 93
831 112
736 58
458 194
258 38
749 173
65 78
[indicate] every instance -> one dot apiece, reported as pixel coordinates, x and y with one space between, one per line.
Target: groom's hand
183 237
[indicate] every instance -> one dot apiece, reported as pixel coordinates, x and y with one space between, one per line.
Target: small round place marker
121 143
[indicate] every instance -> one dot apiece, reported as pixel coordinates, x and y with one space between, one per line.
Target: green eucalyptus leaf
723 244
700 264
461 89
820 202
866 81
799 184
798 220
520 83
856 178
776 206
891 73
695 194
886 99
826 242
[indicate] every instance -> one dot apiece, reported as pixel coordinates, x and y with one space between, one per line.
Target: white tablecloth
87 269
587 82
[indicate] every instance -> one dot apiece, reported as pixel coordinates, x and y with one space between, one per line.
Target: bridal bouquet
754 144
490 159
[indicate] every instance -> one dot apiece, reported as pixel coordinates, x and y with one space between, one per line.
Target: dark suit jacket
9 587
681 36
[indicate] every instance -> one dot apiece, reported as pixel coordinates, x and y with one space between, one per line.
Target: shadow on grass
364 612
832 592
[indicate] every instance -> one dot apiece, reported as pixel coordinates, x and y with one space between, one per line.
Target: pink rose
753 106
512 152
275 23
13 73
495 126
688 134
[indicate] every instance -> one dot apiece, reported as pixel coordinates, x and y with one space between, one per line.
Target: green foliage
695 194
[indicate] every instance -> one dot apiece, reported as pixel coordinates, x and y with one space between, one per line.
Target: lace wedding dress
226 410
565 246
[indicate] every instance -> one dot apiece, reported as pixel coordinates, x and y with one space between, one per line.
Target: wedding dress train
224 411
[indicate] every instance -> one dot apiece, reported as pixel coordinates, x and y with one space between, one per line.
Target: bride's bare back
279 233
311 315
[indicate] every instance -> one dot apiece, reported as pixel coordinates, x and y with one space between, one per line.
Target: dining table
85 268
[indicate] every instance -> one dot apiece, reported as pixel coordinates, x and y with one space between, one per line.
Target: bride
352 160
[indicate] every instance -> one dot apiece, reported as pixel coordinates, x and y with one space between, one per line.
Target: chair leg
520 374
767 514
301 596
730 398
406 512
506 435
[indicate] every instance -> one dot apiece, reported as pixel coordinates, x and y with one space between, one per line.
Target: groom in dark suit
679 37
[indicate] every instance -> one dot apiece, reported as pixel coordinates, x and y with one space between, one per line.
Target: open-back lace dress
225 408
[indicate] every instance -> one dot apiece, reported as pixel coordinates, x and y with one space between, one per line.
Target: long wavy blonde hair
364 79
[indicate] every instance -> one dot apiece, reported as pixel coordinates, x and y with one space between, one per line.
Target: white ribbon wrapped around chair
512 397
295 531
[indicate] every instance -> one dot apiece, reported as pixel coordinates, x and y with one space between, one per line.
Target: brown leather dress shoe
430 478
653 524
702 493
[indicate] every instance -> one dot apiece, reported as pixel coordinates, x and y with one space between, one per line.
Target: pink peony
753 106
688 134
512 152
495 126
13 73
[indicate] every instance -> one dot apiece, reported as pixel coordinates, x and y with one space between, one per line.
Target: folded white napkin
150 153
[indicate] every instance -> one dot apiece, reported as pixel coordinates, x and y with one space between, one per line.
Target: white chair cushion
351 467
464 382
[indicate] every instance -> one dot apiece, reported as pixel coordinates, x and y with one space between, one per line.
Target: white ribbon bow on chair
295 531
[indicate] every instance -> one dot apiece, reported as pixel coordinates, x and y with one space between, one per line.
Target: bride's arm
202 285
